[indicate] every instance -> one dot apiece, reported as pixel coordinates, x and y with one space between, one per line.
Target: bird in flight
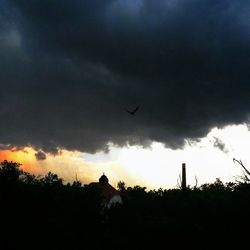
132 112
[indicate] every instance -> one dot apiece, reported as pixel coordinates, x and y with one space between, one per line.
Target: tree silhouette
121 186
10 171
51 179
55 215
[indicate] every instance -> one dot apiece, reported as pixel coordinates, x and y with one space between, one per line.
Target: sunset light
124 123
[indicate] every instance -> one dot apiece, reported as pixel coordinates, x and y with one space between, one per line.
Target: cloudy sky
69 69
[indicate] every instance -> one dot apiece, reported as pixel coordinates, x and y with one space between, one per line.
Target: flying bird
132 112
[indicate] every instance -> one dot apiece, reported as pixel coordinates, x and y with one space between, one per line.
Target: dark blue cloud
69 68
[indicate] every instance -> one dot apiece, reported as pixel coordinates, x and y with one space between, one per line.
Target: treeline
45 213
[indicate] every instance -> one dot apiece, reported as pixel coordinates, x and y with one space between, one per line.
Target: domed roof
103 179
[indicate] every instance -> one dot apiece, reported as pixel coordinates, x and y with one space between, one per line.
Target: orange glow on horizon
155 167
25 156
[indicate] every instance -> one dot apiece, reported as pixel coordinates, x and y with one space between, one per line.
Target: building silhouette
110 196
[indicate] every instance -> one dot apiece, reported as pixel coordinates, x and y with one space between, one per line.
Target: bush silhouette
45 213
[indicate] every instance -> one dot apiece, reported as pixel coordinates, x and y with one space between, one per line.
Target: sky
69 69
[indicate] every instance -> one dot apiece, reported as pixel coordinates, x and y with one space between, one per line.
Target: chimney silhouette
183 179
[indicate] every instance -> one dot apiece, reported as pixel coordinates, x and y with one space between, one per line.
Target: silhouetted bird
132 112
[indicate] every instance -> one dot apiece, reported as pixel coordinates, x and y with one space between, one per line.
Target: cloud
68 69
217 143
40 155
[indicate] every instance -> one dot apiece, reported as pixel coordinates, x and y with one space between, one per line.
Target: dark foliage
45 213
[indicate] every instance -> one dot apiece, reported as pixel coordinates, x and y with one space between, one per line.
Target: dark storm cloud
68 70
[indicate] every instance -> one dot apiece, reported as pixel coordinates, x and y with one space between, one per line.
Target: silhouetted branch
246 170
196 181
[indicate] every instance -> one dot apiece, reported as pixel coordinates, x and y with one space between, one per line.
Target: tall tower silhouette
183 179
